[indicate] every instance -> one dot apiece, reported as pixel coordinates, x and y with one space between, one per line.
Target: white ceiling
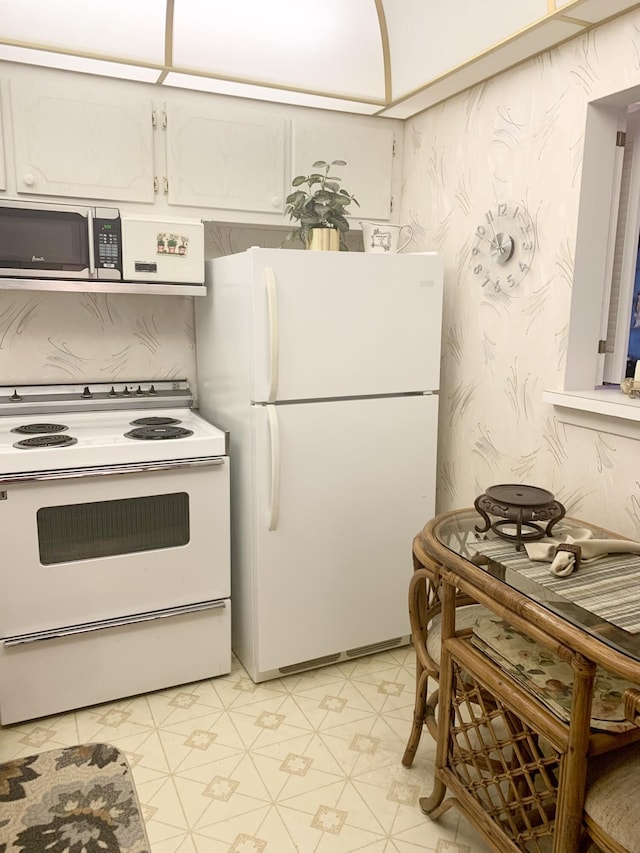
384 57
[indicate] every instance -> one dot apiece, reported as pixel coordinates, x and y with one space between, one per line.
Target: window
618 335
604 271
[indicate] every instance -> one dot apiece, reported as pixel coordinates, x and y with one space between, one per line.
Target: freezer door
341 489
340 324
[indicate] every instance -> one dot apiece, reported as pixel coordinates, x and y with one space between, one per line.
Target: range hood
378 57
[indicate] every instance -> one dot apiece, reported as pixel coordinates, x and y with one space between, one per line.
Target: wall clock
503 247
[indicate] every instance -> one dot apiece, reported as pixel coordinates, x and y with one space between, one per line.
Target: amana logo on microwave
34 258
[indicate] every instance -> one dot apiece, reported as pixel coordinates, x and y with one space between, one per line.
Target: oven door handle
109 470
86 627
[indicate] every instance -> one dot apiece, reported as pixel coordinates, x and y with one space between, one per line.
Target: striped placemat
609 587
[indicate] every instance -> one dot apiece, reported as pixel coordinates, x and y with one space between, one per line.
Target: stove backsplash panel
48 337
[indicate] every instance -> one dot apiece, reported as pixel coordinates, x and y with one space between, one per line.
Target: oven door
93 544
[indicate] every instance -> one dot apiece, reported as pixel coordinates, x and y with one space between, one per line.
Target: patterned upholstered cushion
544 674
613 795
465 618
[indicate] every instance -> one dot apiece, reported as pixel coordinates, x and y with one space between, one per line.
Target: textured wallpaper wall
518 137
69 337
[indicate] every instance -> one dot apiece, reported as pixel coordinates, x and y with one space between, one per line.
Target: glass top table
489 716
459 534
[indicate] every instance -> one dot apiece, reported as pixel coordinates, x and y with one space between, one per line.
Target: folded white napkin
563 563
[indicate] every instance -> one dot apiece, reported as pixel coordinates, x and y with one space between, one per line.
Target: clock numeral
510 280
489 217
516 212
502 209
523 267
481 231
475 251
527 245
477 269
497 287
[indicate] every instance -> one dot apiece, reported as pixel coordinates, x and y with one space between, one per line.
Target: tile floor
308 763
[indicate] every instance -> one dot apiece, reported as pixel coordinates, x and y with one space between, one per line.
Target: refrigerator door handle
274 337
274 433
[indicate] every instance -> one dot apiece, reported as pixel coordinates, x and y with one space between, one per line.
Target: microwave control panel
107 239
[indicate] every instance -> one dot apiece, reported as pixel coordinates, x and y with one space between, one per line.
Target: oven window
108 528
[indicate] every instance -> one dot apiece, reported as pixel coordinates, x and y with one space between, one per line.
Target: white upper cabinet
90 139
367 147
223 156
83 139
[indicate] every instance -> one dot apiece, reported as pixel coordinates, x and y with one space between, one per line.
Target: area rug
75 800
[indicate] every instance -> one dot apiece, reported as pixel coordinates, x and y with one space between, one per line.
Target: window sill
603 409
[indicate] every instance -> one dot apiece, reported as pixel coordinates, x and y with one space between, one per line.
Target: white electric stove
116 565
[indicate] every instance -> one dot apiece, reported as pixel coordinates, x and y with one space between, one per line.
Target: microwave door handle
92 257
274 434
274 336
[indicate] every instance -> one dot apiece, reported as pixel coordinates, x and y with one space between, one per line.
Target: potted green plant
322 205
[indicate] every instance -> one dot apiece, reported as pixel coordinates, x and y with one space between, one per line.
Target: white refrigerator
324 367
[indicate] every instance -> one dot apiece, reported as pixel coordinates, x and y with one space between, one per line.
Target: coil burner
52 440
155 421
521 506
39 429
158 433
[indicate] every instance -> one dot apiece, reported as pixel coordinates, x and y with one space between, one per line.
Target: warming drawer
101 662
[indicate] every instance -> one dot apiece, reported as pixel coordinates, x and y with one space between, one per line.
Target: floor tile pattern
309 763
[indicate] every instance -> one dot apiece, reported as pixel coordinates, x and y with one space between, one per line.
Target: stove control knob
152 390
113 393
139 391
125 390
15 396
86 394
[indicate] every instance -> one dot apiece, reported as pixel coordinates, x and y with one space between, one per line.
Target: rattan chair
425 618
612 802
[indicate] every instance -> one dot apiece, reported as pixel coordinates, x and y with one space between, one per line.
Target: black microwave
60 241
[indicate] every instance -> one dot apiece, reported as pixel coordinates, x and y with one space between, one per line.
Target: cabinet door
227 157
86 139
366 147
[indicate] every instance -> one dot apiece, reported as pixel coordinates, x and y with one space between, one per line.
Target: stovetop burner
154 421
55 440
36 429
97 416
158 432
